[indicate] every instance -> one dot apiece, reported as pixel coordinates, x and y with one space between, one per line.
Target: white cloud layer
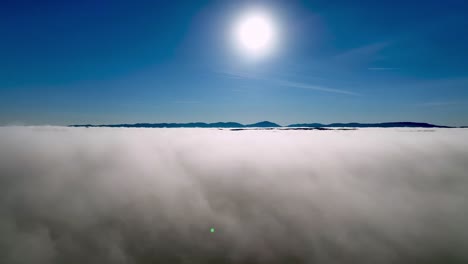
104 195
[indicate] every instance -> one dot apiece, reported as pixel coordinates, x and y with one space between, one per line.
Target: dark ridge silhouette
173 125
291 128
263 124
188 125
364 125
268 124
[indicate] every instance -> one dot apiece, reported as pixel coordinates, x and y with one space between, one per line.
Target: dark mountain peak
226 124
263 124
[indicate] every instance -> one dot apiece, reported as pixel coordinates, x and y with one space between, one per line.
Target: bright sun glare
255 34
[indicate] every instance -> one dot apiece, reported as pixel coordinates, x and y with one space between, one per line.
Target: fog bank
124 195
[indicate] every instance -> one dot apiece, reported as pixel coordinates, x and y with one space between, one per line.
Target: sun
255 34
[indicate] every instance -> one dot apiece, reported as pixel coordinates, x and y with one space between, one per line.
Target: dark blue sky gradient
103 61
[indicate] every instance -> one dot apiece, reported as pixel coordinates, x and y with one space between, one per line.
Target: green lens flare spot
212 230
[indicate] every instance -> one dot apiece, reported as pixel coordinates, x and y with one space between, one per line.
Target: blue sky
102 62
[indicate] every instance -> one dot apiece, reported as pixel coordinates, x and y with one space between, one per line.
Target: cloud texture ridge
125 195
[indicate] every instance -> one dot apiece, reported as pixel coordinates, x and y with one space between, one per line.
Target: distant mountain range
188 125
267 124
362 125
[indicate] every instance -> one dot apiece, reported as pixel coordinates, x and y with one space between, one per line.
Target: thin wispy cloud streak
131 196
359 54
286 83
312 87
